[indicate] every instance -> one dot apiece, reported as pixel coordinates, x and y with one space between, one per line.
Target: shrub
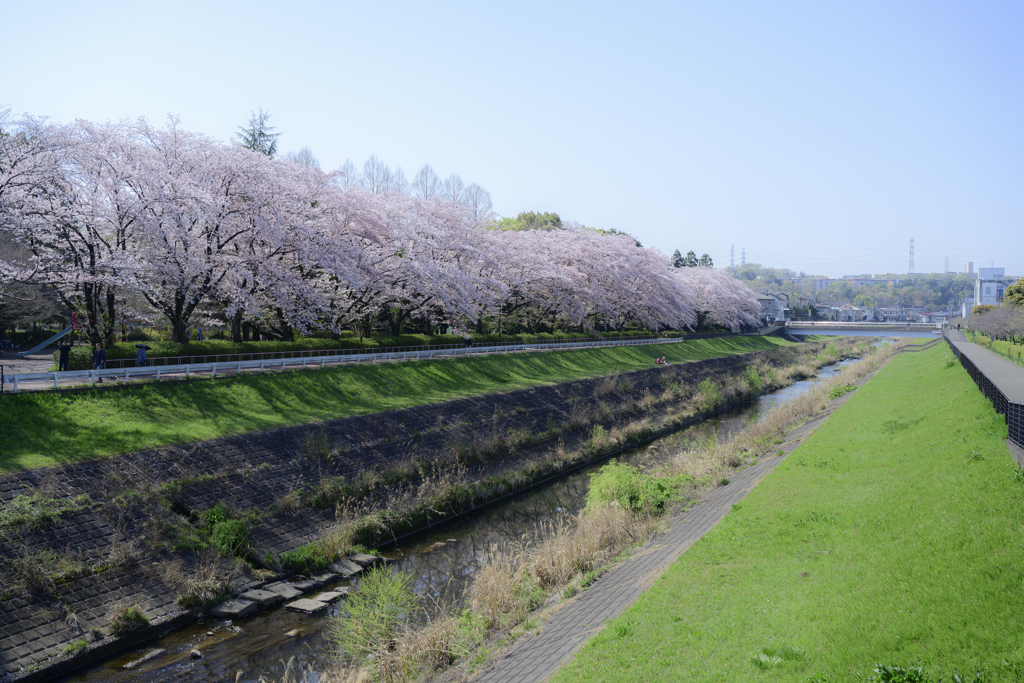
230 537
137 336
124 619
305 559
633 490
377 612
708 395
754 379
837 391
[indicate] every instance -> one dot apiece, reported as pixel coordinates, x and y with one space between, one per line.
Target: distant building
966 306
990 287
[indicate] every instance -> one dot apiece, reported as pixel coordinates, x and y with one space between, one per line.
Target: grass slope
893 535
41 429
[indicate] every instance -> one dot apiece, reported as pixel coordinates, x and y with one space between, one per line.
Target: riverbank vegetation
395 501
888 541
624 508
42 429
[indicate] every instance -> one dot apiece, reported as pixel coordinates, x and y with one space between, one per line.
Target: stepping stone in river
285 590
263 598
346 567
315 582
235 609
331 596
306 606
364 560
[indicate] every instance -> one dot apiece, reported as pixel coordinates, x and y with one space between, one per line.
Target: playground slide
45 343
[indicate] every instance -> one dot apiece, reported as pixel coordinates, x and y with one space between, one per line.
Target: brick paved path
537 657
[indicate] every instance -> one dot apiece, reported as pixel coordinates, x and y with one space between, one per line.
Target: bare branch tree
304 157
349 174
375 175
426 184
479 199
453 188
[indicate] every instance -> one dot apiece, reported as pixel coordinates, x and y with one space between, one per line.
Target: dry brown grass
204 579
579 544
580 415
495 591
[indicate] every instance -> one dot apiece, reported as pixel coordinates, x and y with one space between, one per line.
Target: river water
442 559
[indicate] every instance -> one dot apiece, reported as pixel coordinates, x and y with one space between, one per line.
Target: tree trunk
287 333
110 321
236 327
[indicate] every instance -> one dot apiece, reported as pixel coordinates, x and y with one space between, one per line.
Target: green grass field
41 429
893 535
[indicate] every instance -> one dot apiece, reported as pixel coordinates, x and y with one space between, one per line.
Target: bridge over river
864 329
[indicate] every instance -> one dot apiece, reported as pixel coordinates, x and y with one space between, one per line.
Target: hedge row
81 356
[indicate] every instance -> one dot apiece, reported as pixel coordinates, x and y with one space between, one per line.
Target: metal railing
914 348
305 362
1011 410
316 353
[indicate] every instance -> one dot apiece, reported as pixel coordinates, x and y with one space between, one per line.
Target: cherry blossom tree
115 214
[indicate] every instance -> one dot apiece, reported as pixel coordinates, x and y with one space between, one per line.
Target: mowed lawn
893 535
40 429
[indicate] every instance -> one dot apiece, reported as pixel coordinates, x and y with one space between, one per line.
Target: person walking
99 359
140 357
65 356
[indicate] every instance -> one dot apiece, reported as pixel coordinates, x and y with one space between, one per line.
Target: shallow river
442 559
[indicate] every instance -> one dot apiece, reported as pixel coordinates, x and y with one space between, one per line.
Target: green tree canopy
259 136
1015 294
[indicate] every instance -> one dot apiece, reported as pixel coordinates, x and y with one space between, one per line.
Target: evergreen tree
259 137
705 260
677 259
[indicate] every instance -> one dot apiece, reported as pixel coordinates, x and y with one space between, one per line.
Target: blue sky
816 136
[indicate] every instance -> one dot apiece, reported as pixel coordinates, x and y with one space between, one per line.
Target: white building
990 287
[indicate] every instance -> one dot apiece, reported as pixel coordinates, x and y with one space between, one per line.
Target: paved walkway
536 657
1001 381
1002 372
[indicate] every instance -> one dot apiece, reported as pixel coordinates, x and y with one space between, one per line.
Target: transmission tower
947 264
732 255
911 270
743 256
